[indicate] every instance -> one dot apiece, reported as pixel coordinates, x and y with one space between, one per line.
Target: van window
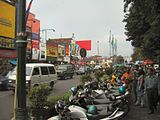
44 70
51 70
36 71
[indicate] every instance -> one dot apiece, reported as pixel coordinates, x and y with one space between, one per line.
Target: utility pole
110 43
98 48
46 30
21 42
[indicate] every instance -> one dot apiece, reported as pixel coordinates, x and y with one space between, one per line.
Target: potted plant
38 101
52 100
85 78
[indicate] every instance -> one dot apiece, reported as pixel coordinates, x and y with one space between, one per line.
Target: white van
36 73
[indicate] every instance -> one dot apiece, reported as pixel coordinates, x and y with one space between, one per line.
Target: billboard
84 44
52 50
74 49
7 20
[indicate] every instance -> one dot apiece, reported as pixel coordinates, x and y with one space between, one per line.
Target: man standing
151 87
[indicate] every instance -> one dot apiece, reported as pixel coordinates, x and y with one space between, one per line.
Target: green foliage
105 77
52 100
109 71
85 78
98 74
38 96
142 20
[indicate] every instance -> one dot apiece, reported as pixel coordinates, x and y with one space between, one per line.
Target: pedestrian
135 75
158 88
151 88
140 88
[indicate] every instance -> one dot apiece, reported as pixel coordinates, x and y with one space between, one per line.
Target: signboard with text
7 25
7 20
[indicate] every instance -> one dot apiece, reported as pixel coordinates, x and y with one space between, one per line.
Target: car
84 70
65 71
36 73
3 82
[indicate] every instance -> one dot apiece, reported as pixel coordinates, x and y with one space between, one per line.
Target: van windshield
62 67
28 71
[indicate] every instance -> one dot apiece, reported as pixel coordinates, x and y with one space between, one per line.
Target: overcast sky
87 19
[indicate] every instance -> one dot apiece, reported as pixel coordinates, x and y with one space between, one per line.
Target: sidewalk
138 113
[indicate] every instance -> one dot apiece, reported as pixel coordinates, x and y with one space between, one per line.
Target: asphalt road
6 105
7 97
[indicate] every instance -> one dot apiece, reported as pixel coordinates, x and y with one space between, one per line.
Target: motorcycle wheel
126 108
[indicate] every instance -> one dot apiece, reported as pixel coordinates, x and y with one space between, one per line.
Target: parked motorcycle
78 109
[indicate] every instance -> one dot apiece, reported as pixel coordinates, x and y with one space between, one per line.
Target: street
7 97
6 105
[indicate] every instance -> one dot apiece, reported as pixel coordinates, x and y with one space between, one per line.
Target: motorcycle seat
102 101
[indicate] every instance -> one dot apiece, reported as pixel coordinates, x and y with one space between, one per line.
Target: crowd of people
144 84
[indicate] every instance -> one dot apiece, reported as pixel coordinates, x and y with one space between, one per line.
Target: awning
13 62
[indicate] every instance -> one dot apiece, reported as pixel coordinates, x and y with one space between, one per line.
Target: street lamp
21 42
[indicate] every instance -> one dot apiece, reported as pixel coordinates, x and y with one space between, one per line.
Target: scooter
74 112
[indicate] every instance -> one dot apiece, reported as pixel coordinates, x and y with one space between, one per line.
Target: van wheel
52 85
63 77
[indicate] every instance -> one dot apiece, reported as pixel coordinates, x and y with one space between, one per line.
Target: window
36 71
44 70
51 70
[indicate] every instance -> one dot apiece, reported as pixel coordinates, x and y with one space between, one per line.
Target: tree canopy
142 18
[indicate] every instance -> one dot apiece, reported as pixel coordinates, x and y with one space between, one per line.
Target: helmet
92 109
122 90
59 106
74 90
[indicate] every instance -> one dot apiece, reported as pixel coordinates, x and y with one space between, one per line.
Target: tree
142 27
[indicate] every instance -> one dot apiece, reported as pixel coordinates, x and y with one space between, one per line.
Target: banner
42 51
29 50
61 50
7 20
67 51
35 49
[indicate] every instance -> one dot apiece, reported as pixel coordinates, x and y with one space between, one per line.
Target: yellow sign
52 51
7 20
